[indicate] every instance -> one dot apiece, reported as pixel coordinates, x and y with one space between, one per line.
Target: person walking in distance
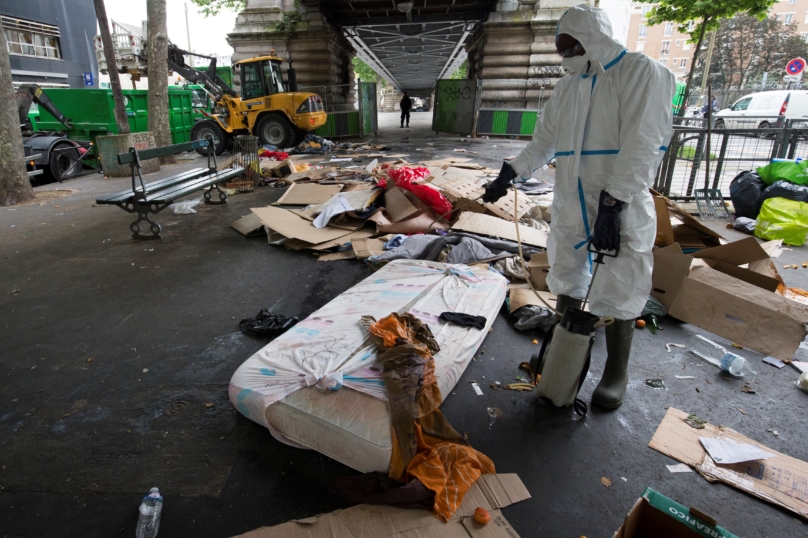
405 105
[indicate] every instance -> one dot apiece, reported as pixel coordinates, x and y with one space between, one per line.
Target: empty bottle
148 522
718 356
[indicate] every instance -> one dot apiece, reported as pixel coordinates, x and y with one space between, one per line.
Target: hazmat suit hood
592 28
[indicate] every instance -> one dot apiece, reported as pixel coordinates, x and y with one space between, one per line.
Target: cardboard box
779 480
675 225
711 291
656 515
538 267
491 491
477 223
285 169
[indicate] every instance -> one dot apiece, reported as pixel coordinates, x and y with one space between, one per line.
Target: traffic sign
88 79
795 66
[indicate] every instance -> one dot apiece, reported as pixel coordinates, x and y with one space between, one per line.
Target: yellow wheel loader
264 108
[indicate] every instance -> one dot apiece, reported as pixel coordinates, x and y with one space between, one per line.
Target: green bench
151 198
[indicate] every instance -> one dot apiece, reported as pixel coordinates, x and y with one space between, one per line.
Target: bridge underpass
509 44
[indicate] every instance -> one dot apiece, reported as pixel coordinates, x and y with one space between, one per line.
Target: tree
158 75
15 188
709 14
365 73
460 72
112 67
213 7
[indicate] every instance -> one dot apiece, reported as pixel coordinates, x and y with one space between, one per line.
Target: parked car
761 110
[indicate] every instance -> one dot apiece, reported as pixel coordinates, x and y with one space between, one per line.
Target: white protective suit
608 130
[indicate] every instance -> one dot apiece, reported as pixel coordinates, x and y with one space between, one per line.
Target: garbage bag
787 190
787 170
745 191
784 219
266 323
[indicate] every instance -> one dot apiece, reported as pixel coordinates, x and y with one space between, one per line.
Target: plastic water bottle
718 356
148 522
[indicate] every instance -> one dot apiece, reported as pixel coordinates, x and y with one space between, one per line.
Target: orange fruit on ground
640 323
481 515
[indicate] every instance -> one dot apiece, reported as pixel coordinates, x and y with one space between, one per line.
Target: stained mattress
319 385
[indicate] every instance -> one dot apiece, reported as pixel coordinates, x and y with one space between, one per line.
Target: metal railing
336 97
731 151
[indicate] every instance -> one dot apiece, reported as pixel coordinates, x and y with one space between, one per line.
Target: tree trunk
158 75
112 68
692 67
15 188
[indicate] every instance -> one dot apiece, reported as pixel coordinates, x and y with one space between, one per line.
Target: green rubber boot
609 392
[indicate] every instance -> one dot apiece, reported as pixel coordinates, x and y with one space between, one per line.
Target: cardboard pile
492 492
675 225
462 188
780 479
731 291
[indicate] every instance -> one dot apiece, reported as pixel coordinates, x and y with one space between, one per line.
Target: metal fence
689 165
336 97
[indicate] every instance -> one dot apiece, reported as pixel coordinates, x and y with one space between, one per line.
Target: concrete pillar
318 52
514 54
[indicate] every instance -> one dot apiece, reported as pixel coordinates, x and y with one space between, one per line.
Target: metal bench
153 197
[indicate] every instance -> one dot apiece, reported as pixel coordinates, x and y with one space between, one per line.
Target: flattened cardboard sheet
491 492
780 480
495 227
308 193
293 226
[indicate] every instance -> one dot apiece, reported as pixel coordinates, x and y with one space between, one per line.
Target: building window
789 18
663 61
29 38
668 29
645 10
640 46
643 31
778 17
686 46
792 1
678 42
665 48
804 36
683 62
690 26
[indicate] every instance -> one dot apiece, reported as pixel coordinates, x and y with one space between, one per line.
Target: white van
760 110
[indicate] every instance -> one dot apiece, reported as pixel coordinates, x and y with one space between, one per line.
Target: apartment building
665 43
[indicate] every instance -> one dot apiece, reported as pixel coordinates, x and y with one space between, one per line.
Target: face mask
577 65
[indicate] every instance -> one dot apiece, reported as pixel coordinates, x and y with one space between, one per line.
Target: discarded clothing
534 187
745 225
429 247
425 446
464 320
313 144
396 241
266 323
378 488
535 317
510 268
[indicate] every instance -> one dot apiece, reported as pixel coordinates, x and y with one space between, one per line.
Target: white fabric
298 386
608 130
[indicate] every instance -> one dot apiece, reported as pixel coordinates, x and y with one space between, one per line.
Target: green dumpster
93 113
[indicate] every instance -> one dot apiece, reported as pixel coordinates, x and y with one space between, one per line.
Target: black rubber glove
606 235
499 187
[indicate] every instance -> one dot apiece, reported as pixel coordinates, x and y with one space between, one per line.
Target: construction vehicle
264 108
48 152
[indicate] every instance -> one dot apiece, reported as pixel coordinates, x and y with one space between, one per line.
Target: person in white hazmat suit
607 124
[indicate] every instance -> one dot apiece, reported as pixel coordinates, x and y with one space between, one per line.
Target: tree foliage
706 16
214 7
365 73
461 72
745 48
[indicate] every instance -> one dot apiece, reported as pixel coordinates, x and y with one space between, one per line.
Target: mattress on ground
319 385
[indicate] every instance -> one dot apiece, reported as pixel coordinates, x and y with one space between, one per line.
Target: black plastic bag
786 189
266 323
746 192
